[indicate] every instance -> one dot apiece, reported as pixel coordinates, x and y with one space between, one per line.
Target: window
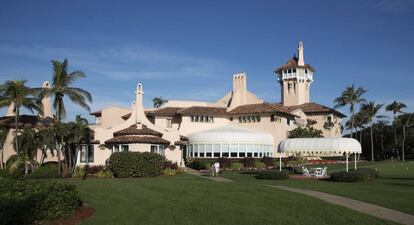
272 118
202 119
116 148
169 123
306 71
125 148
249 119
159 149
294 70
86 153
192 118
289 71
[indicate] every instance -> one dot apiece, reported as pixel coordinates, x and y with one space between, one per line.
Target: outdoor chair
306 172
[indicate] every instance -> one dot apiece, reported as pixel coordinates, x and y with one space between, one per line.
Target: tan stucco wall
320 121
188 127
113 116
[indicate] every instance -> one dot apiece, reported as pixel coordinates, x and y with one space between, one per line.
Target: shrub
259 165
359 175
273 175
45 171
207 166
236 166
136 164
35 202
169 172
248 162
224 162
197 165
94 169
171 165
104 174
267 161
80 172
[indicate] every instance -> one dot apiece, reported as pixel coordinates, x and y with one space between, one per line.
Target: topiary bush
248 162
136 164
25 201
273 175
224 162
259 165
197 165
236 166
358 175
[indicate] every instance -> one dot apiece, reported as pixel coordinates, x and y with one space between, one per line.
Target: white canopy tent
345 146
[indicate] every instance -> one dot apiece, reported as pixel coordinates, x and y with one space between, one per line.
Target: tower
295 78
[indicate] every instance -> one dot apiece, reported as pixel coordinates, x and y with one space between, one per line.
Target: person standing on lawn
216 168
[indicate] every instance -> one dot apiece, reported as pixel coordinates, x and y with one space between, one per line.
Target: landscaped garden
187 199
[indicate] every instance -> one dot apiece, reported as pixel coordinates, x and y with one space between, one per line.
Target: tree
370 110
28 146
45 140
396 108
307 132
17 94
405 121
78 132
158 102
61 87
350 97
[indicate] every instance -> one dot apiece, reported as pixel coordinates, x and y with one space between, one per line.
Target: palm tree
370 110
3 136
158 102
28 146
61 87
79 132
404 120
396 108
44 138
350 96
16 93
59 132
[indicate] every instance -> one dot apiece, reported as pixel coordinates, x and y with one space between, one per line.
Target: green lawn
394 189
186 199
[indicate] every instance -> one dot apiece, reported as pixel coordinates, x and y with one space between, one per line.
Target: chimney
10 110
239 90
301 61
139 107
46 103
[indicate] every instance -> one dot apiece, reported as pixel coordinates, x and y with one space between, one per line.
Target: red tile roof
203 111
313 108
292 64
132 130
137 139
259 109
167 111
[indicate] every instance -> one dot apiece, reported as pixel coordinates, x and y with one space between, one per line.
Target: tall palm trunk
372 144
395 133
16 124
59 159
352 123
403 144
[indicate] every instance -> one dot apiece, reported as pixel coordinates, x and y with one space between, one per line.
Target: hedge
358 175
273 175
136 164
35 202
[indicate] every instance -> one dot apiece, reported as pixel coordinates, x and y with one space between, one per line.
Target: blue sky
190 49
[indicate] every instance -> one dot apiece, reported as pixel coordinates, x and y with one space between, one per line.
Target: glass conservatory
231 142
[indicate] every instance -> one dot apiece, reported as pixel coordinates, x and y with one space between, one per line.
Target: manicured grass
186 199
394 189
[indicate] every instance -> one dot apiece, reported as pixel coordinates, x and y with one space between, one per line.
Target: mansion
239 124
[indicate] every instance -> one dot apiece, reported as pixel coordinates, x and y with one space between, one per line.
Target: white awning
230 135
320 145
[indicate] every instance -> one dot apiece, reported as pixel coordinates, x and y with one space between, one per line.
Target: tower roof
293 64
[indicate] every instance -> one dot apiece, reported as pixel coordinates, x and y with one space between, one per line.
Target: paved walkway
367 208
217 179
